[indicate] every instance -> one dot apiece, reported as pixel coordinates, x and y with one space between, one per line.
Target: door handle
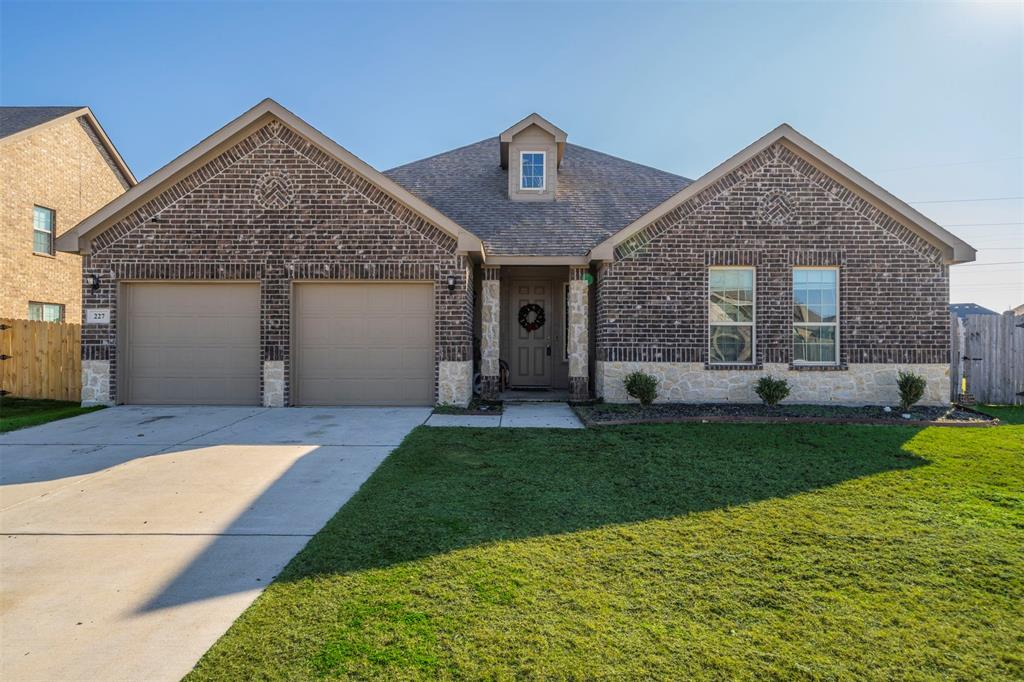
549 351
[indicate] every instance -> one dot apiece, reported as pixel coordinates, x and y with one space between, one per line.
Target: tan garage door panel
364 343
192 344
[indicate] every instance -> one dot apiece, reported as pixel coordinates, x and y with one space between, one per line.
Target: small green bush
911 388
772 391
643 387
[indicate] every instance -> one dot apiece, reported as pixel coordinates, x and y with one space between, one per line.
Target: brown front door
531 350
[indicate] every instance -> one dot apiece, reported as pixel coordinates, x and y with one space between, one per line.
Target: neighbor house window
731 316
532 170
43 221
815 316
46 312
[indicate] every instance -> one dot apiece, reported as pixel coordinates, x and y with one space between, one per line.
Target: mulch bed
605 414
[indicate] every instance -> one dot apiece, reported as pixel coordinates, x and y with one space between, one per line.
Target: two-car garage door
352 344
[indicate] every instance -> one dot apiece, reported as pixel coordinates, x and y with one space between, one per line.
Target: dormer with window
531 151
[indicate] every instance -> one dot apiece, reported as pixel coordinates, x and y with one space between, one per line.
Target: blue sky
926 99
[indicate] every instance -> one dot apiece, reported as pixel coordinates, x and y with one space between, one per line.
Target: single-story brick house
268 265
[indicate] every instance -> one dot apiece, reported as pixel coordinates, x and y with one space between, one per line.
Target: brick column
579 313
490 332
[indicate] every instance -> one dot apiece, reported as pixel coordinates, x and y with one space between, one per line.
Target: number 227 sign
97 316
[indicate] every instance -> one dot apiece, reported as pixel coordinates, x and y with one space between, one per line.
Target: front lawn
17 413
659 552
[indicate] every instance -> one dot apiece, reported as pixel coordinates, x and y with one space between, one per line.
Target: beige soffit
954 249
91 119
73 239
538 260
532 120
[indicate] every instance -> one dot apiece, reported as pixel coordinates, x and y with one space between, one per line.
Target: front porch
534 329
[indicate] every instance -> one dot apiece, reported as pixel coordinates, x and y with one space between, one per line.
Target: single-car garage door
191 343
360 343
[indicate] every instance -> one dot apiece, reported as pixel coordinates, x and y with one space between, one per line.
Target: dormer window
532 170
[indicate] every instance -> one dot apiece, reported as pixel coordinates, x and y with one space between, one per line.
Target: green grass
17 413
1008 414
661 552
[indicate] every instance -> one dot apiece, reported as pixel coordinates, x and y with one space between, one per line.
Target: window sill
755 366
45 255
842 367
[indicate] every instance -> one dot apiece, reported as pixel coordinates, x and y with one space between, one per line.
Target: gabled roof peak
533 119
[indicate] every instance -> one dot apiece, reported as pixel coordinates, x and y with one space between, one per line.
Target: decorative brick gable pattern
276 209
775 212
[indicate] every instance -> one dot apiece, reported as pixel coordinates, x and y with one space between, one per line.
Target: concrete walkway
516 416
133 537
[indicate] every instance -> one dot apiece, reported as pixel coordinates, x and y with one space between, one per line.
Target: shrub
643 387
772 391
911 388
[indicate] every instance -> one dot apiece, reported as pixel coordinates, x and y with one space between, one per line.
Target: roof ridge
629 161
440 154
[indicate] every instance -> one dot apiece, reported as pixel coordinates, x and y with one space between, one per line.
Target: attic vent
274 190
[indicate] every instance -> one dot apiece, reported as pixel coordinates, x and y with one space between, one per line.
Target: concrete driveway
133 537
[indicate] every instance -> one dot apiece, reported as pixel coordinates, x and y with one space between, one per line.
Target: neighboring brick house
268 265
57 167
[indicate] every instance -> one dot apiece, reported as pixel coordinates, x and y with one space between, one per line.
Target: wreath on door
531 317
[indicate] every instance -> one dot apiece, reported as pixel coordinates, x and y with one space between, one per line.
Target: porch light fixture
94 282
451 282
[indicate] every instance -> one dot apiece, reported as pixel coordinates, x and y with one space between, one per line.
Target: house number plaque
97 316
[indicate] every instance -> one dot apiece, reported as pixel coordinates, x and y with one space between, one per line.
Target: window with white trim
815 316
531 170
46 312
731 316
43 222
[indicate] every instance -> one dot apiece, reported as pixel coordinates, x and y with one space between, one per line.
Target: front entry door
531 344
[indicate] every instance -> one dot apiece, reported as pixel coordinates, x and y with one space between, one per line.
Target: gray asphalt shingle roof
15 119
598 195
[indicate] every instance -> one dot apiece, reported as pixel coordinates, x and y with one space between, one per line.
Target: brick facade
275 208
63 167
774 212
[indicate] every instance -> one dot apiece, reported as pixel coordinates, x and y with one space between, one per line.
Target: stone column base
273 383
579 389
454 383
490 387
96 383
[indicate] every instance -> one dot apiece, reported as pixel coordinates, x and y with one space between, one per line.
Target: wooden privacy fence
989 351
41 359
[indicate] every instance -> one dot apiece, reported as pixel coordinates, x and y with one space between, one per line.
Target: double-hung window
531 174
731 316
815 316
43 222
46 312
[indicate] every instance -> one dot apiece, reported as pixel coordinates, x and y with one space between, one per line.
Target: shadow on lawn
447 489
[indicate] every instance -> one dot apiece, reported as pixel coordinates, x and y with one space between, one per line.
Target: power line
961 201
1005 262
981 224
953 163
